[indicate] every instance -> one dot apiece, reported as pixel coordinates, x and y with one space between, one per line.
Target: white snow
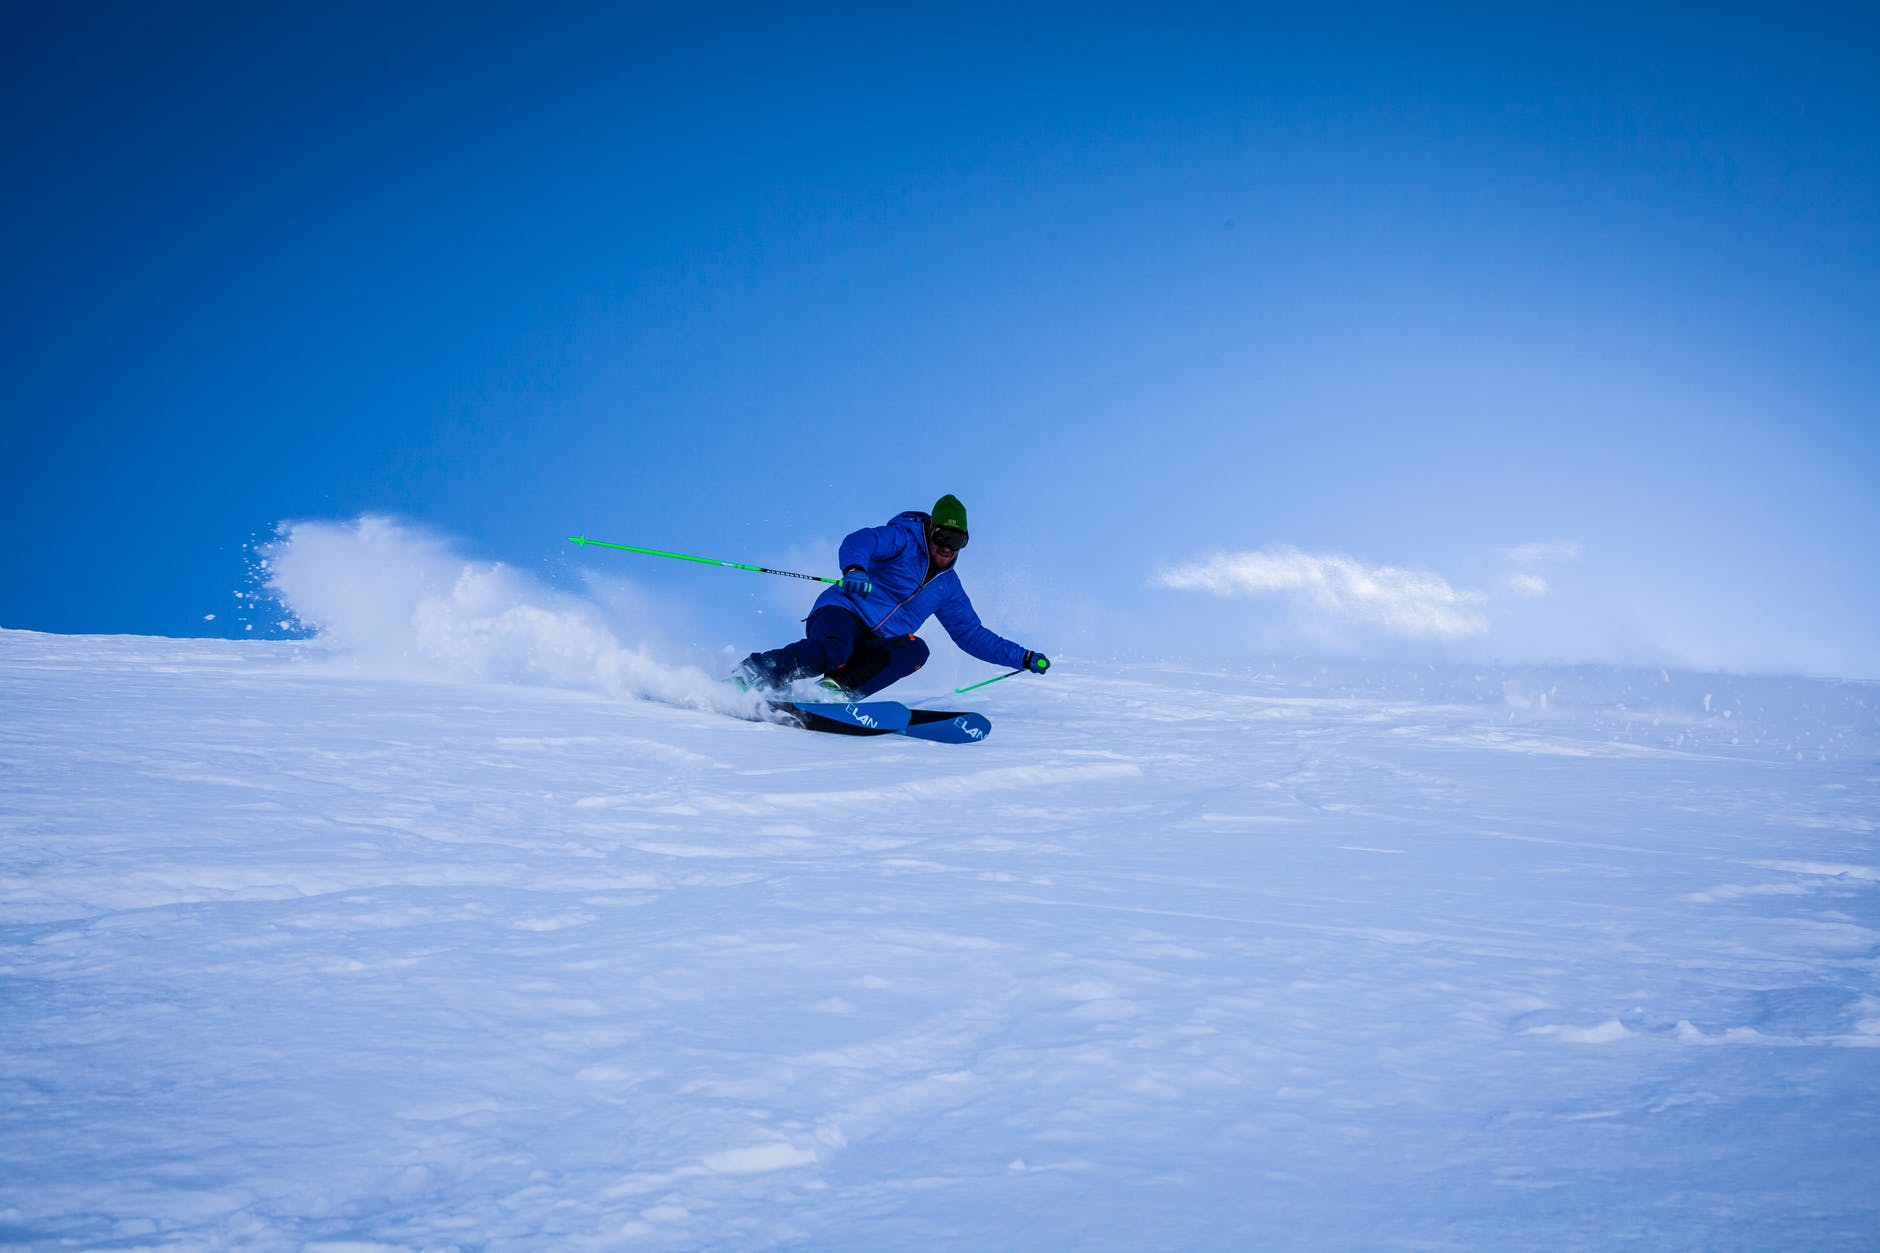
299 954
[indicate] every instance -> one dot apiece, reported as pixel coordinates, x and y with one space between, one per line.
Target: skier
860 634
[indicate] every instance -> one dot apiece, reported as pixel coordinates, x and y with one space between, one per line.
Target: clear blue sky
1148 286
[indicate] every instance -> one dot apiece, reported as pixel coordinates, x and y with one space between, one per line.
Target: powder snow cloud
392 595
1414 604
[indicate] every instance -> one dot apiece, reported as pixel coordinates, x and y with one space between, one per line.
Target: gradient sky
1551 334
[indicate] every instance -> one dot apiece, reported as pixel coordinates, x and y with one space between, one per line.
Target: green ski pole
585 542
1008 674
928 700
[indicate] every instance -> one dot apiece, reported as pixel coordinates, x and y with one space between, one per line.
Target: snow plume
391 596
1340 591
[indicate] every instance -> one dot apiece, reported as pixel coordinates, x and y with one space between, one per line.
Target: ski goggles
949 537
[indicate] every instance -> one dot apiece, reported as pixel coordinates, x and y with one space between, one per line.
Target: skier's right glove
1035 663
855 581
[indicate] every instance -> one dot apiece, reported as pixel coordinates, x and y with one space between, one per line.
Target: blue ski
885 717
947 726
867 717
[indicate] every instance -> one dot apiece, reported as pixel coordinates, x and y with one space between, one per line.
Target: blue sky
1539 336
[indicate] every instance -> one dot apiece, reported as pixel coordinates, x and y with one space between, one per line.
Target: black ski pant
839 645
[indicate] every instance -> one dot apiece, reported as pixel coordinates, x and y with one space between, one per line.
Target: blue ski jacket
903 598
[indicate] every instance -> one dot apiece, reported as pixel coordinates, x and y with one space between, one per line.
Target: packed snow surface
304 954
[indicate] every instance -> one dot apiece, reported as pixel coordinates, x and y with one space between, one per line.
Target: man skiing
861 632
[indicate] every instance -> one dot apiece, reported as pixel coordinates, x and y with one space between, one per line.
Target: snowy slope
298 957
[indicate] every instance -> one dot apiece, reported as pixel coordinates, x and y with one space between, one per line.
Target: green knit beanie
948 511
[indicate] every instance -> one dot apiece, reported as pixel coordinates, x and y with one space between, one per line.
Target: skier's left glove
855 581
1035 663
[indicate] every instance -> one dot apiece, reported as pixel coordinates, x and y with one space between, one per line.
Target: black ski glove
1035 663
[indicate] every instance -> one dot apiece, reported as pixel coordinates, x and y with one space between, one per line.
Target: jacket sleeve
956 614
868 547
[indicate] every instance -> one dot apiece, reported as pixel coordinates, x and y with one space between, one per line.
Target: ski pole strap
585 542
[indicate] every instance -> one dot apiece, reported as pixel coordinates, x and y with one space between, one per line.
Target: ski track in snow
1178 959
